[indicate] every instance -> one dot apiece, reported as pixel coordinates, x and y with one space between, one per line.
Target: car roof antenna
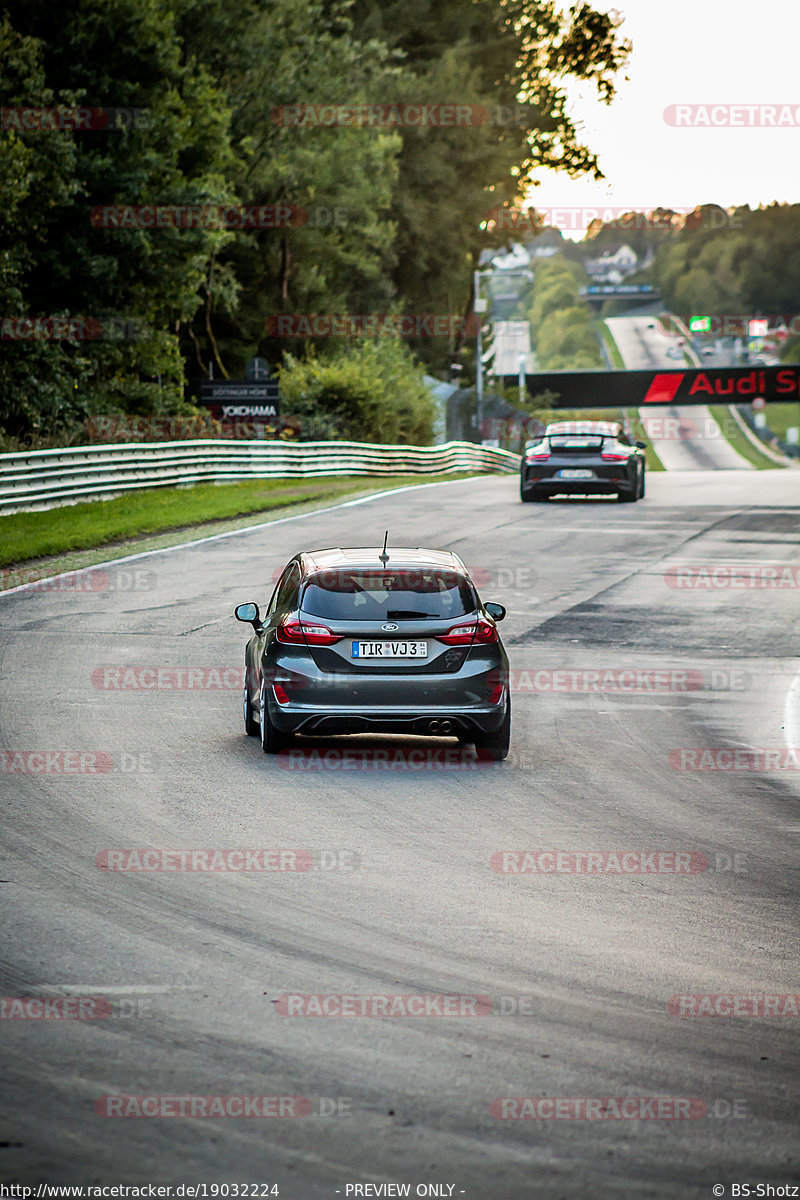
383 556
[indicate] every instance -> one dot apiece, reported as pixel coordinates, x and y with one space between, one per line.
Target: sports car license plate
577 473
390 650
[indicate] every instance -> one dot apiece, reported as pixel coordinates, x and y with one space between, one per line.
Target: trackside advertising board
232 398
634 389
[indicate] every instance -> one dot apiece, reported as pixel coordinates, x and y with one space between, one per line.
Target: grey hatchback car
371 641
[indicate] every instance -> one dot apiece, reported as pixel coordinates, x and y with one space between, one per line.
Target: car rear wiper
400 613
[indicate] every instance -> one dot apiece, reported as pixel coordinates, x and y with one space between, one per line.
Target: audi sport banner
632 389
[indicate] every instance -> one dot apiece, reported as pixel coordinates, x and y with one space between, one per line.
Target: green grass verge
612 349
654 463
741 444
781 417
127 520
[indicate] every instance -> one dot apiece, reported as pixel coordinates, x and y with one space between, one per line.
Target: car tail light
294 632
613 456
537 454
481 631
280 694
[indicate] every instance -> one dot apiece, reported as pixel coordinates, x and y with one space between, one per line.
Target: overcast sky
700 52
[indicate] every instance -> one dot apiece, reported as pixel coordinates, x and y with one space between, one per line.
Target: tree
513 60
121 54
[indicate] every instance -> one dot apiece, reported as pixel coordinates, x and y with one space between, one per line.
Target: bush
373 392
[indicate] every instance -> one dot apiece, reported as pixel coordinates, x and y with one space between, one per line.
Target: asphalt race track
634 647
684 438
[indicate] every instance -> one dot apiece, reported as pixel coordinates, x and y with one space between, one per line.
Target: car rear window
411 594
571 441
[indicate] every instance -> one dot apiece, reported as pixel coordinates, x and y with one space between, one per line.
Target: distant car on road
365 641
587 458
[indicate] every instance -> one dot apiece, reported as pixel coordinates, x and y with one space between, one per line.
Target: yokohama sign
709 385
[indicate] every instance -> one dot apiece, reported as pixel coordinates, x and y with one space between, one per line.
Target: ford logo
390 627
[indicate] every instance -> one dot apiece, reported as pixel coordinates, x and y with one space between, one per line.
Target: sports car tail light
613 456
280 694
294 632
537 454
480 631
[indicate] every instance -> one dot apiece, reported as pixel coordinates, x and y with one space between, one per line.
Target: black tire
252 726
272 740
627 497
641 485
495 745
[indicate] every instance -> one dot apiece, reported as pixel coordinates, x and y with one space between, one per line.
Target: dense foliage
742 262
563 334
395 214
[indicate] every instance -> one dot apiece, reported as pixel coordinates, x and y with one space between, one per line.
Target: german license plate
576 473
390 650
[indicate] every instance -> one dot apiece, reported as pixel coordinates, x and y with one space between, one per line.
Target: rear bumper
607 482
432 721
577 487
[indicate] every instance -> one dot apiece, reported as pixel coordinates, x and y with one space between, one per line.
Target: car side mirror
640 445
497 611
249 614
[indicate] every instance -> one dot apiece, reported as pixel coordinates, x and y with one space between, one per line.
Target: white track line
791 715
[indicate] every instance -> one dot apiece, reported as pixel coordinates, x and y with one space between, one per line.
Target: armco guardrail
46 478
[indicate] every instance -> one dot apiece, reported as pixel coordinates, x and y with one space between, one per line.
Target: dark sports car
362 641
587 458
